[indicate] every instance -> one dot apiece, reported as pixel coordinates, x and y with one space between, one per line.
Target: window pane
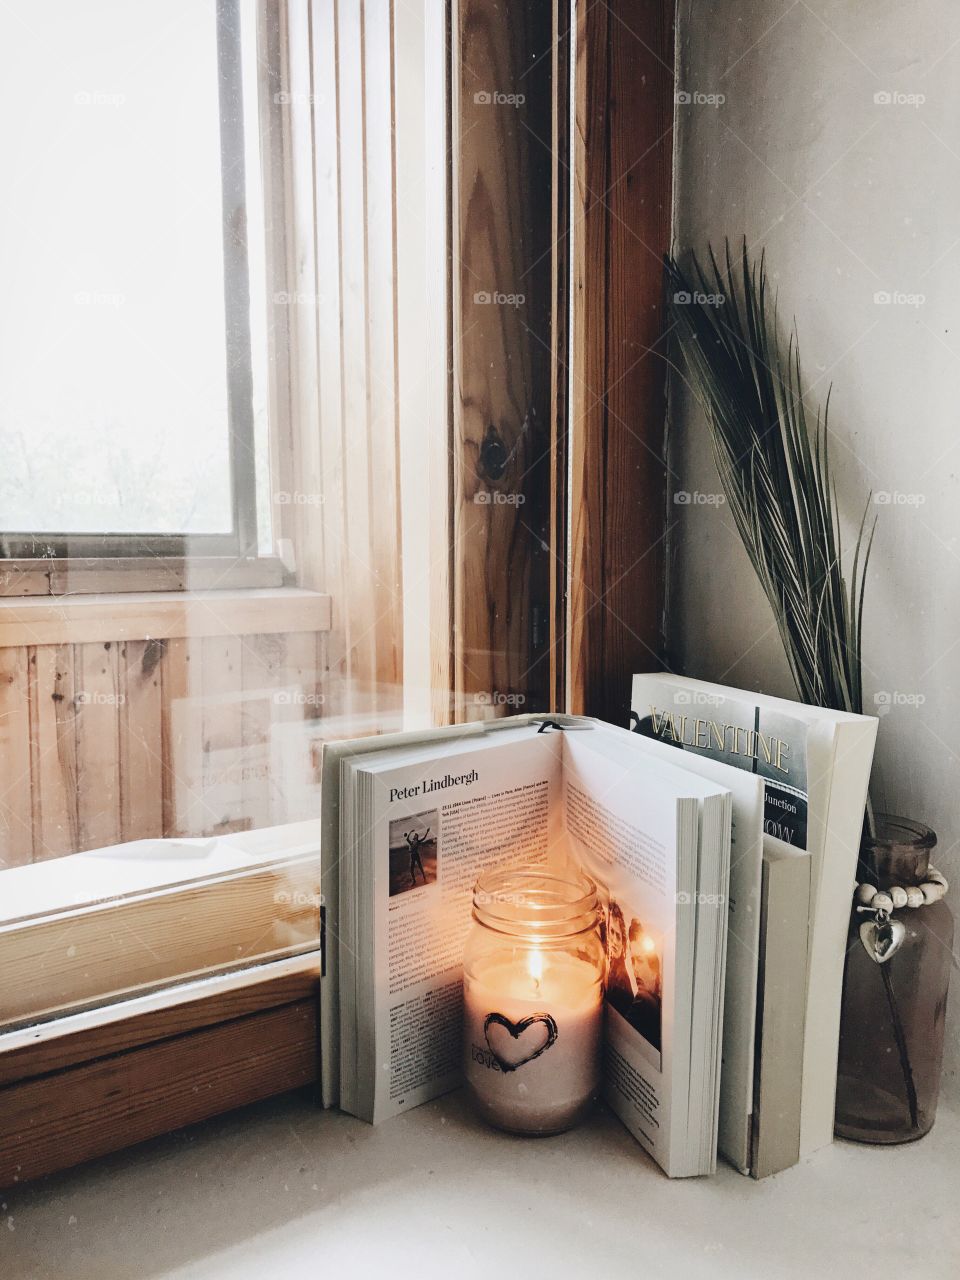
133 716
113 412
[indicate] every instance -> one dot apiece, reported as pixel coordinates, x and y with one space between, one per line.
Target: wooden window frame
98 1082
122 616
567 630
621 216
509 241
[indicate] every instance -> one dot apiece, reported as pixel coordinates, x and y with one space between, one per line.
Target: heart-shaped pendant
513 1044
881 938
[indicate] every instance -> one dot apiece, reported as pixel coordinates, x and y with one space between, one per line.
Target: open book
411 821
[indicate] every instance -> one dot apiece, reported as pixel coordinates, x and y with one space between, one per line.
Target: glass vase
893 1012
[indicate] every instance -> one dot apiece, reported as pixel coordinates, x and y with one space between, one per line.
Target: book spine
852 758
778 1070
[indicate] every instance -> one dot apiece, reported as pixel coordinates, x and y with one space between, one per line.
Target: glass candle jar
892 1019
533 999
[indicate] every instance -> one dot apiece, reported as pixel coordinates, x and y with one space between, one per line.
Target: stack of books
791 883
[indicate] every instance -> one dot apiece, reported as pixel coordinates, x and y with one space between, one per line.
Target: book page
437 824
743 941
622 824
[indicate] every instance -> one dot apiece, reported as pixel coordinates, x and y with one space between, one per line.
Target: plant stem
901 1040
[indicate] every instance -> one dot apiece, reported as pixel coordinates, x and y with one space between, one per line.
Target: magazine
768 742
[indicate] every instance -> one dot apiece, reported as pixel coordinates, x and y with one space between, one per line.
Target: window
229 215
132 316
195 705
346 221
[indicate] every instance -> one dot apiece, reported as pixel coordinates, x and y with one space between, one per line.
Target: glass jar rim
893 832
540 901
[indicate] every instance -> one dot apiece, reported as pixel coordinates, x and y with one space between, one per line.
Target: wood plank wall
621 219
116 741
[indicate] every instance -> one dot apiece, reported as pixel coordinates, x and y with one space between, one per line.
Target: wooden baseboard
70 1094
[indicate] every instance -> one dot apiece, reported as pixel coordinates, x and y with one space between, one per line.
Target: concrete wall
837 148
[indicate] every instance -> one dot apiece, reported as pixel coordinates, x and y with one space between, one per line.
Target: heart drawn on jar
513 1044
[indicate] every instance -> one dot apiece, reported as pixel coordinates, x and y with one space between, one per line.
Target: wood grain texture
152 573
560 355
131 1024
502 139
135 573
54 1121
622 182
179 683
53 751
263 666
16 814
221 717
99 713
91 954
118 616
132 740
141 761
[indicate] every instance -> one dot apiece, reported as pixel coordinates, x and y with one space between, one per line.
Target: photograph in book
492 808
634 976
621 830
413 851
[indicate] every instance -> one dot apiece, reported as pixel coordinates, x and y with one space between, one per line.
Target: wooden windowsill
171 1010
160 615
190 986
228 902
94 1082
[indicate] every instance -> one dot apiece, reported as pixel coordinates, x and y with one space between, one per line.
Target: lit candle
533 1025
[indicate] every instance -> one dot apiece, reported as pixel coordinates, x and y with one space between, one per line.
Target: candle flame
535 967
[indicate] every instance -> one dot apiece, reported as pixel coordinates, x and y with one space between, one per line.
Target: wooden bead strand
897 896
